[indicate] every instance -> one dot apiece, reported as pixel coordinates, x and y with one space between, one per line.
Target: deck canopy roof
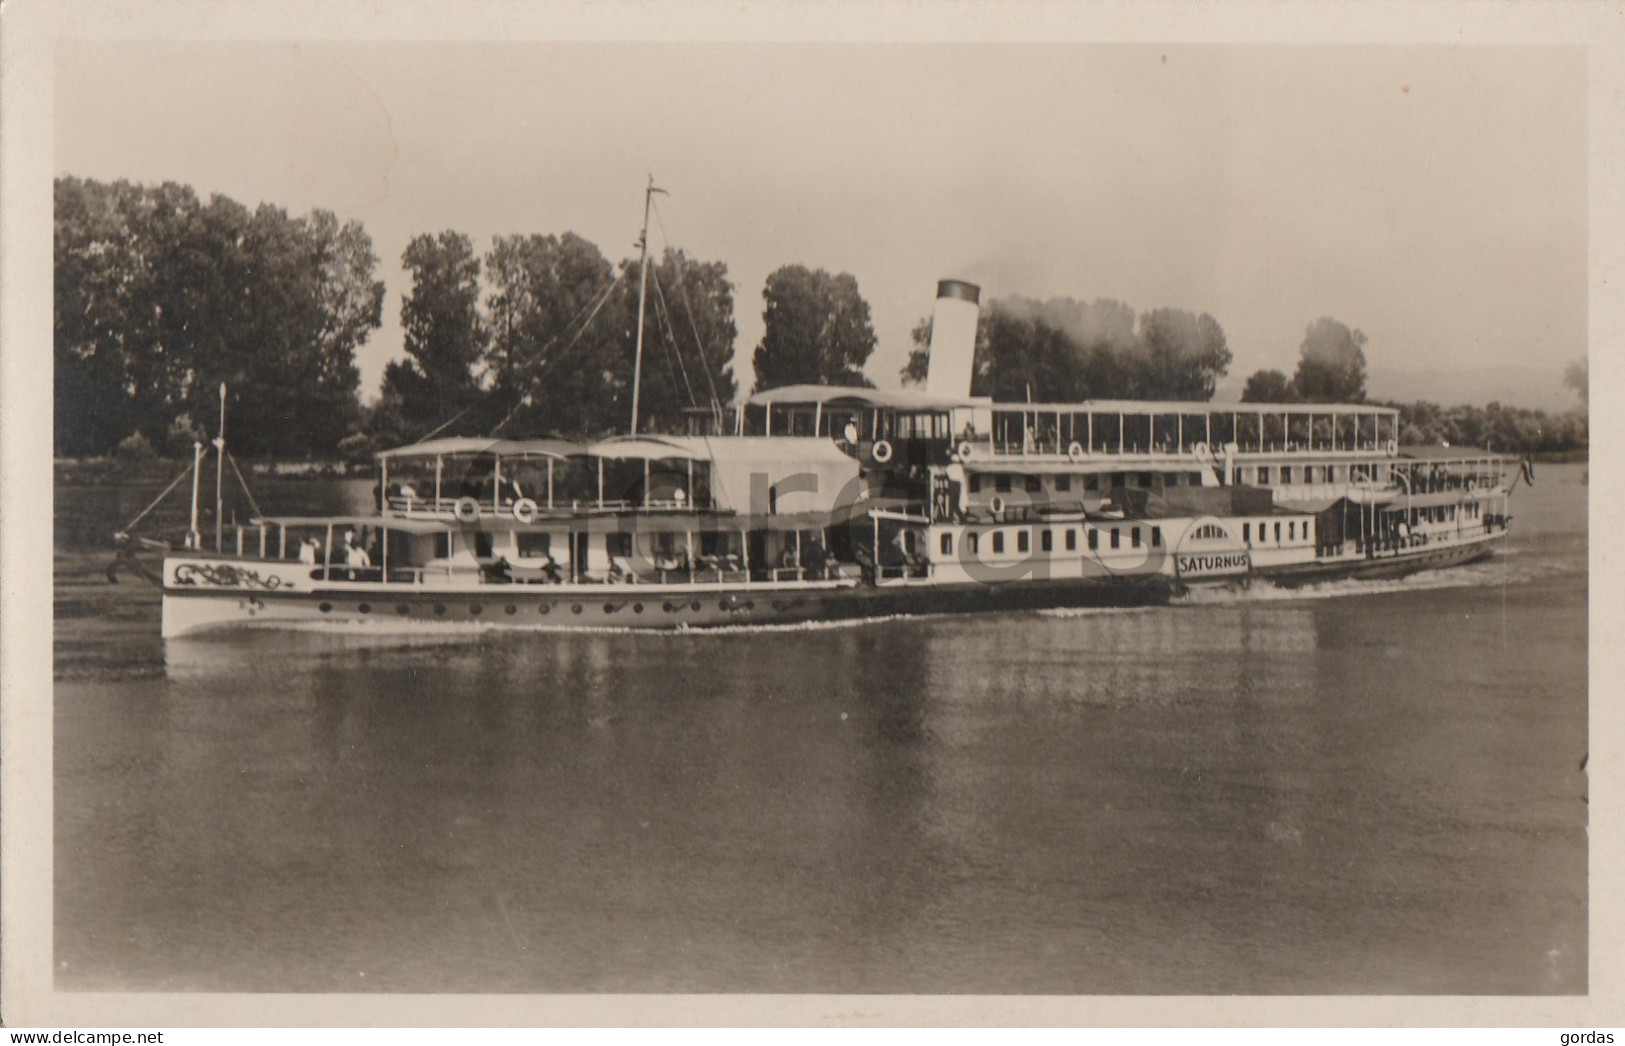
1192 407
645 448
400 523
884 399
470 445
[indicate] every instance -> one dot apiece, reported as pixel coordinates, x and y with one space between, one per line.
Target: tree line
160 296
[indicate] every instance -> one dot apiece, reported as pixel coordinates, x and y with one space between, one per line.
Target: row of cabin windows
1046 540
1442 513
1004 482
1292 529
1261 476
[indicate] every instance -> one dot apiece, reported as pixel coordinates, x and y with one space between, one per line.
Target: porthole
365 608
440 608
544 608
510 610
475 608
609 608
668 606
694 605
402 608
575 608
325 607
637 608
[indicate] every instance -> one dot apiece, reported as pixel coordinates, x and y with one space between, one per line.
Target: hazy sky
1434 197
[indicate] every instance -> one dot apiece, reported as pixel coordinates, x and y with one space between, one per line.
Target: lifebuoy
1471 485
1393 447
966 451
1203 453
1075 451
881 451
996 506
524 510
467 510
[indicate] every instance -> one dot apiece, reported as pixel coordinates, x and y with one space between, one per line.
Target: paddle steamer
814 503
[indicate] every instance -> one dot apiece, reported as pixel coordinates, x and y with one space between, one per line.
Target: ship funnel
953 338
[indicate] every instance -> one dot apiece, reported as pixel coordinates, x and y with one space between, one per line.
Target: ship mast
643 293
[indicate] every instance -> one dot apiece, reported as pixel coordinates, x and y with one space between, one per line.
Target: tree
557 364
817 330
445 336
1331 365
1268 386
1182 355
159 298
688 338
1578 377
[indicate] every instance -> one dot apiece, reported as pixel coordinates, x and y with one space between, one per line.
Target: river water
1363 788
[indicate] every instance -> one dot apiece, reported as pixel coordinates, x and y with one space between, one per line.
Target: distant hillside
1537 387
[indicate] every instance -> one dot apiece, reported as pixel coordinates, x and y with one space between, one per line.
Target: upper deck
924 429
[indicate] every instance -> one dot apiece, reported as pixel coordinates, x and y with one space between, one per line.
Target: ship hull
1401 564
192 610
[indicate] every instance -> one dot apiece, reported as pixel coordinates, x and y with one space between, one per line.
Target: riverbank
81 472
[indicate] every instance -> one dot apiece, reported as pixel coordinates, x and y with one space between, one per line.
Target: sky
1433 197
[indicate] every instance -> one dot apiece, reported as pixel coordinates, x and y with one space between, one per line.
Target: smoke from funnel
953 338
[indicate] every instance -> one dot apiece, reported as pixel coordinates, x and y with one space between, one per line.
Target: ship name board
1215 563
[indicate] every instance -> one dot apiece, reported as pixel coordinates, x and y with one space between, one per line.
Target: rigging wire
682 287
244 483
663 313
125 532
542 366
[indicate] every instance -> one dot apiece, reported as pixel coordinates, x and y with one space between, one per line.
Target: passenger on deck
354 554
307 551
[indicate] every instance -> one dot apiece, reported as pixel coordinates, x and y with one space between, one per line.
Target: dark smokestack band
959 289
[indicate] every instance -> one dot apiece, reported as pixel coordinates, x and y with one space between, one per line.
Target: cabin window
1156 537
1091 483
1023 541
998 541
1263 475
1035 484
1001 483
1286 473
1134 536
947 544
976 483
1146 480
1046 541
1193 479
532 545
1247 533
1063 482
1117 539
1094 540
442 546
973 541
482 545
1292 532
1309 473
1071 540
618 545
1277 533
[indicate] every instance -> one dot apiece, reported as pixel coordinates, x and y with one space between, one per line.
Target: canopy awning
643 448
838 395
474 445
407 526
